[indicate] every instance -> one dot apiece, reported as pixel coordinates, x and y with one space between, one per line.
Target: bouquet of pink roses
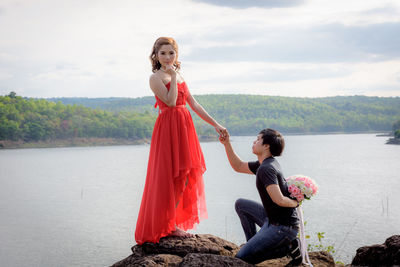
301 187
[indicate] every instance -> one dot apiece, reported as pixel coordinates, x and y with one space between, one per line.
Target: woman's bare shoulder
160 76
155 76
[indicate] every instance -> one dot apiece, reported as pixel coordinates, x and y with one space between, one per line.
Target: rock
151 260
181 246
317 258
212 260
393 141
201 250
386 254
321 258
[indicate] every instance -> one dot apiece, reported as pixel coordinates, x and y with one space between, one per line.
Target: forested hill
117 104
247 114
31 120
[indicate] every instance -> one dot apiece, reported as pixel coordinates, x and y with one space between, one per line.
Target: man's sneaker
295 253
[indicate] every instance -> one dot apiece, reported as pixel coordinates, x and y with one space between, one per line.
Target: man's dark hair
275 141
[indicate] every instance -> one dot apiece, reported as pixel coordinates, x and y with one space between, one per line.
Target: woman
173 197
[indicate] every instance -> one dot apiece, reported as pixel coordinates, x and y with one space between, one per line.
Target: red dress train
174 189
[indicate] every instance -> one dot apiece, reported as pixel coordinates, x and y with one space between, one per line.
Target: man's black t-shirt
269 172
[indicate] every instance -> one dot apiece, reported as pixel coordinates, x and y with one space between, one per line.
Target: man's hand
221 130
224 137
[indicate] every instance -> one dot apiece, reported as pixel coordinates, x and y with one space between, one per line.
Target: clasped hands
224 136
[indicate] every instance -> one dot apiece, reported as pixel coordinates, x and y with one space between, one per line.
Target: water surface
78 206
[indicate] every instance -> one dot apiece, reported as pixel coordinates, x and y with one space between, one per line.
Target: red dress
174 190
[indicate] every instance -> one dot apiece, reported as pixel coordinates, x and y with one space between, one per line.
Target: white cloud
330 79
101 48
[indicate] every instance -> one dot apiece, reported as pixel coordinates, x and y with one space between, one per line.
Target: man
277 215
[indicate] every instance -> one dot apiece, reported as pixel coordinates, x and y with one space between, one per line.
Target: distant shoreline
378 133
84 142
76 142
87 142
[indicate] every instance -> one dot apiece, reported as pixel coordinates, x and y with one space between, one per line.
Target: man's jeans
270 242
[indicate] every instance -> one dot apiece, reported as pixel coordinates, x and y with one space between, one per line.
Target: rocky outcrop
393 141
201 250
386 254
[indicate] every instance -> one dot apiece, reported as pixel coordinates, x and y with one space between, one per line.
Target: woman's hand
220 130
224 137
169 69
223 133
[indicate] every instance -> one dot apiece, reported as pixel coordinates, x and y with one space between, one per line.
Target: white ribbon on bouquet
303 244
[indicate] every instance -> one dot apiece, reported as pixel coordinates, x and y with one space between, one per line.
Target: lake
78 206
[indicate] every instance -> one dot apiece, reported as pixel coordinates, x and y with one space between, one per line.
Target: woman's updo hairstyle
157 46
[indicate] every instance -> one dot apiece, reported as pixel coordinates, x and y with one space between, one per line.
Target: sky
297 48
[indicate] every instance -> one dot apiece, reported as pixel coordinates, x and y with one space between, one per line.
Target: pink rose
300 197
314 189
291 187
296 191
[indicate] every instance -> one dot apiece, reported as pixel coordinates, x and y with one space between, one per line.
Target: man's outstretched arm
236 163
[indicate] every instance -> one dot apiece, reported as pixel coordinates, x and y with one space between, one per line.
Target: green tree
9 130
397 134
34 131
396 126
12 95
